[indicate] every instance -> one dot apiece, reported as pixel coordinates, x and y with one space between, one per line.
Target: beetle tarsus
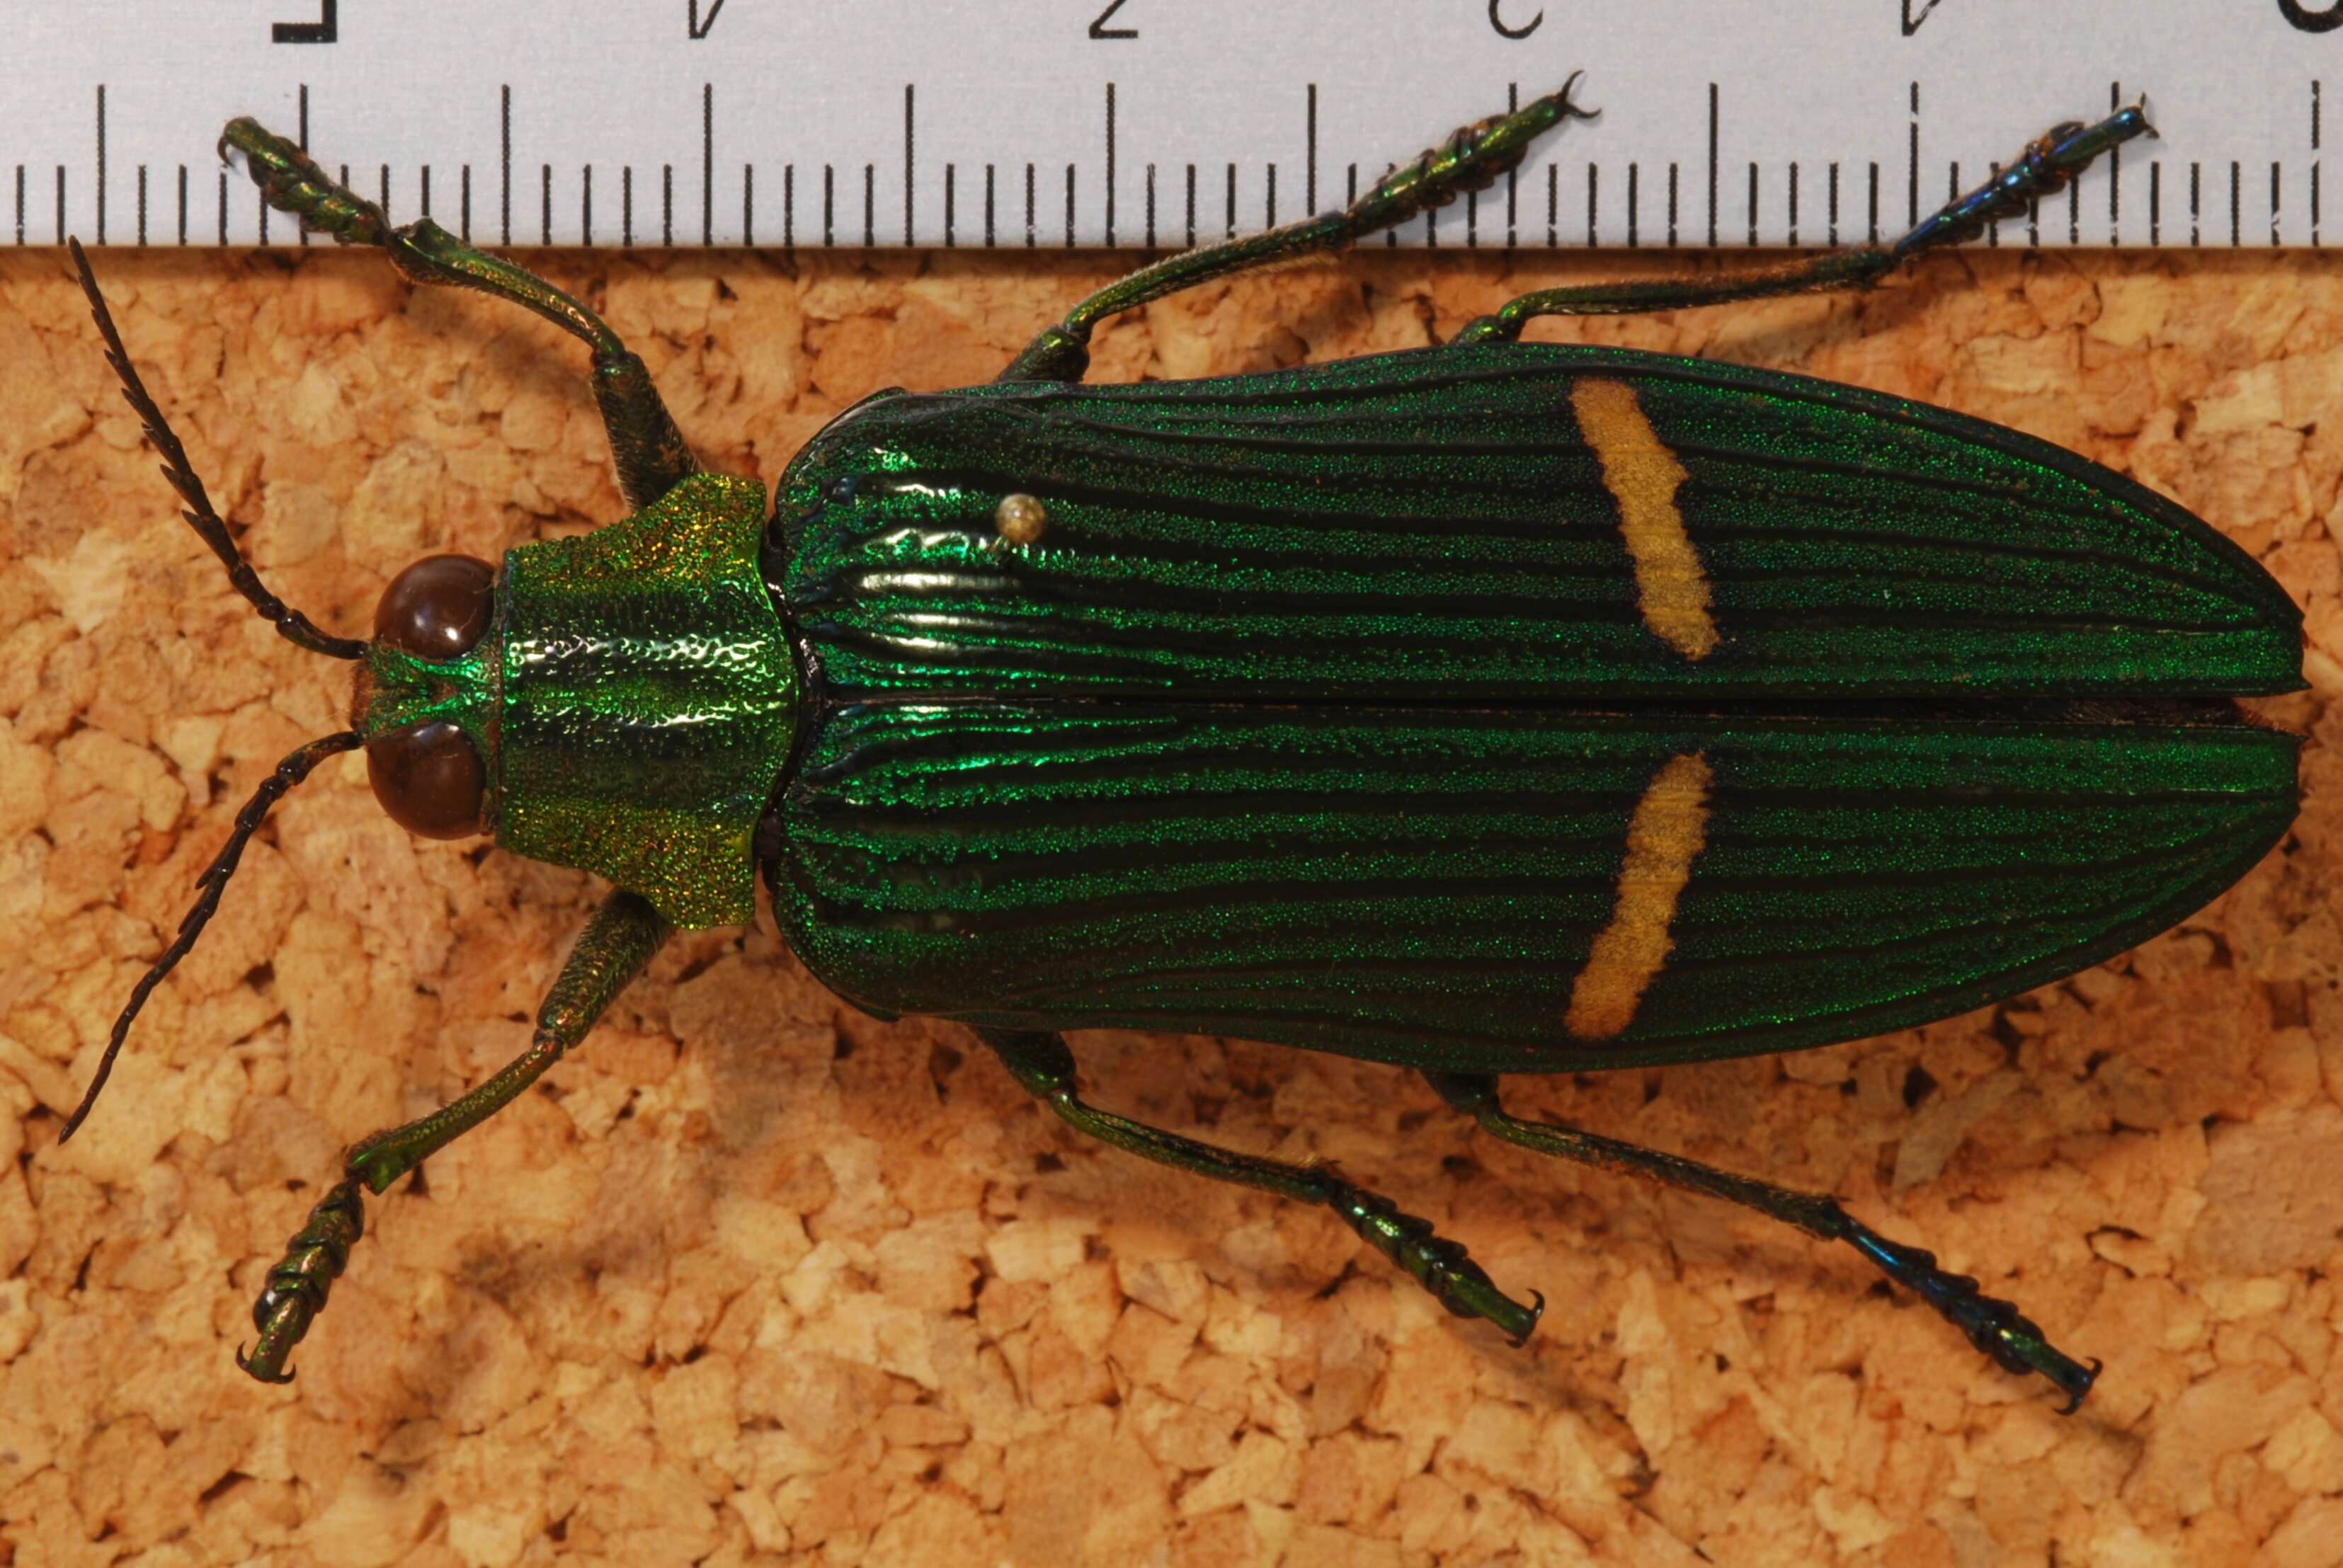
1473 158
301 1282
2014 1340
1440 1266
291 181
2048 166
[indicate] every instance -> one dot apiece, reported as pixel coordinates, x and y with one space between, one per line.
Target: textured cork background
757 1278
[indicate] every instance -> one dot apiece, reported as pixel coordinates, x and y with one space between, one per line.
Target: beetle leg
2047 164
1043 1064
1995 1327
1473 158
616 944
649 449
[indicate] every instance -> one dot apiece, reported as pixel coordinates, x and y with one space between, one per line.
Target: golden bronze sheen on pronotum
1485 708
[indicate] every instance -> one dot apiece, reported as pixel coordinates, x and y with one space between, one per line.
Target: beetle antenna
208 887
291 623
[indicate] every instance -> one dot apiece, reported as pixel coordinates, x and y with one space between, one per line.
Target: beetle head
426 700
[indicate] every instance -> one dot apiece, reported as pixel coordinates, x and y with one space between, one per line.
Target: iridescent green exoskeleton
1484 709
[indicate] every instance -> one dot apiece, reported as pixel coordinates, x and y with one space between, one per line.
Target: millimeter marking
1642 475
1665 835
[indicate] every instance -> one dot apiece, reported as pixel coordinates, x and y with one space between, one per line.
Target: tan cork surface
757 1278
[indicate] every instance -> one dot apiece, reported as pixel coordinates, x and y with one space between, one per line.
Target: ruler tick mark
1913 132
1310 175
1712 166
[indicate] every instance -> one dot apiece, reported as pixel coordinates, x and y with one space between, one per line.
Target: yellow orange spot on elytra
1663 838
1642 475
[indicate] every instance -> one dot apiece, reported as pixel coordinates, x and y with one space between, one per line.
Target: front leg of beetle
1995 1326
645 446
1044 1065
610 952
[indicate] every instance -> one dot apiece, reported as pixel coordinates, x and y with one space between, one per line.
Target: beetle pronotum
1494 708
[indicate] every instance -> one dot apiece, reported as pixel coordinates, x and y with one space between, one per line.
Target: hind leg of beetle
1473 158
1044 1065
611 951
649 449
1994 1326
2045 166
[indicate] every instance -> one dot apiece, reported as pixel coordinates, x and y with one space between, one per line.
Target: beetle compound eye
430 777
436 609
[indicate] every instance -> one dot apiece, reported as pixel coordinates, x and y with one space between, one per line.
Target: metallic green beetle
1484 709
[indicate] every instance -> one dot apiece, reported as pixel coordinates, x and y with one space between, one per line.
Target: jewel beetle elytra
1487 709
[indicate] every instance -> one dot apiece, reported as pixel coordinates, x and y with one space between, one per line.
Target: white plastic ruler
1148 122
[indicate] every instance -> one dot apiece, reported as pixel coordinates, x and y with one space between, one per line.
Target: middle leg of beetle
2046 167
1473 158
649 449
1994 1326
610 952
1044 1065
